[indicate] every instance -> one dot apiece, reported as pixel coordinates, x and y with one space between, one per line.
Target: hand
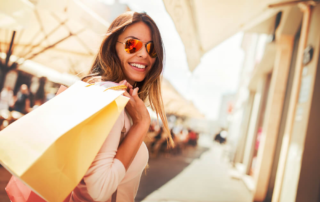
126 83
136 107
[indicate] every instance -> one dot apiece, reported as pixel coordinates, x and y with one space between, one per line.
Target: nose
143 52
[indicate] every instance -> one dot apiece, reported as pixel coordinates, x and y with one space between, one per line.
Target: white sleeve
106 172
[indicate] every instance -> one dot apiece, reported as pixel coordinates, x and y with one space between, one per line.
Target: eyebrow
133 37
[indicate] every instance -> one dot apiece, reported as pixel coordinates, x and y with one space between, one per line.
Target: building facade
277 145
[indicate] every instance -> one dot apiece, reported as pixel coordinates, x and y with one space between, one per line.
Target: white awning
174 103
203 24
64 35
39 70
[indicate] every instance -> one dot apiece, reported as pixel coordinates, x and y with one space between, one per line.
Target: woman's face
134 74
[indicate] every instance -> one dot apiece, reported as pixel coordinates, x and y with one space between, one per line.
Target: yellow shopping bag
51 148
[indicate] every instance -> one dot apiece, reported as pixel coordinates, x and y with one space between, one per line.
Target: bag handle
120 87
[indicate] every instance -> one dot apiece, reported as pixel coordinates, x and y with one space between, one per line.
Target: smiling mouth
138 67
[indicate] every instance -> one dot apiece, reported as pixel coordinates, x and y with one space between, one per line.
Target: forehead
138 30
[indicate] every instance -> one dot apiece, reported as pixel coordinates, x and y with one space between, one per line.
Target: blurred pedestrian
22 100
221 137
155 145
193 138
6 98
184 136
40 95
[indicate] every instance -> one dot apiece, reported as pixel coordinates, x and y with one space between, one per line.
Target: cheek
120 53
152 61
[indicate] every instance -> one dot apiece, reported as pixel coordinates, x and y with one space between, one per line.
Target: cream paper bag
51 148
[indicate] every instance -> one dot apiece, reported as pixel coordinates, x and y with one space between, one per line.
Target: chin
139 80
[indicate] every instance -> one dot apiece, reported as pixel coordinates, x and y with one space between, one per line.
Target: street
196 175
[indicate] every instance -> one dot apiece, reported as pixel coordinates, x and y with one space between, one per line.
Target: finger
126 84
131 91
129 85
122 82
135 93
127 94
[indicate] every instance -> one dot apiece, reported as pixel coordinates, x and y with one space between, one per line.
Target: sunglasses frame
145 45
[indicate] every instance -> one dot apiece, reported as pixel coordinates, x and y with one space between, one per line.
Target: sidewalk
198 175
200 179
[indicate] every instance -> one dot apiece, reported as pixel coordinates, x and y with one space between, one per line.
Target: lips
138 66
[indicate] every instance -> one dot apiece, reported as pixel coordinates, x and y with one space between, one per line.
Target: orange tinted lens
133 45
151 50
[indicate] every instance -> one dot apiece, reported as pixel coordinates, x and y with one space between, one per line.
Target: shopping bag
61 89
52 147
19 192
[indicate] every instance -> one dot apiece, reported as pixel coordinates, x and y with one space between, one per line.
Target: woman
22 100
40 95
131 55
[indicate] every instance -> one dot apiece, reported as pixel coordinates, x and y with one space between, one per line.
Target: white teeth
138 65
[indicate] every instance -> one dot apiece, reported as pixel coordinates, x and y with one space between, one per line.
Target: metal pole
10 49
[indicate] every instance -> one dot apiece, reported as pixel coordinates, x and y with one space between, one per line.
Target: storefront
277 151
297 177
278 158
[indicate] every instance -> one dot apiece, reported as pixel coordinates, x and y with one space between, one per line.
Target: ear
61 89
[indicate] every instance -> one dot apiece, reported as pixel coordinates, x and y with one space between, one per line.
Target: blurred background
240 89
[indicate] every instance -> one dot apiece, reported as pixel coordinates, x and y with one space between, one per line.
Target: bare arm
110 164
141 122
131 144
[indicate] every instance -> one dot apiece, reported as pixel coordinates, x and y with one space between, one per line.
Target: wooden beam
56 43
9 52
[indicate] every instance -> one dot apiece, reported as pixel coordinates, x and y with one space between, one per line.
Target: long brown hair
108 67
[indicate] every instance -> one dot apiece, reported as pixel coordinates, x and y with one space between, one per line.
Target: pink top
107 174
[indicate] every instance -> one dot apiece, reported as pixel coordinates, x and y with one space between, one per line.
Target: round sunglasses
134 45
